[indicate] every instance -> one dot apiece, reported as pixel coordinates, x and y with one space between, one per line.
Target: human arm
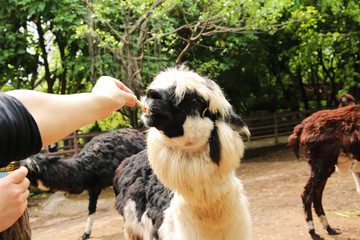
19 133
59 115
13 197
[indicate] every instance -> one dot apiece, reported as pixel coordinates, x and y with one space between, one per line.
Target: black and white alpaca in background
92 169
183 186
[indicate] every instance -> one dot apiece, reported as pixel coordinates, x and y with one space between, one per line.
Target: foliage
268 56
327 52
47 48
115 121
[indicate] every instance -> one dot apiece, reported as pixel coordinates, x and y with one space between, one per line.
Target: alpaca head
36 165
346 100
178 94
190 116
44 171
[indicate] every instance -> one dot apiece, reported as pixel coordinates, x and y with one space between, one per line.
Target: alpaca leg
93 197
357 181
355 169
318 192
322 160
312 194
308 198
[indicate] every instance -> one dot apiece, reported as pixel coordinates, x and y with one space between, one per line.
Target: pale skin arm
57 116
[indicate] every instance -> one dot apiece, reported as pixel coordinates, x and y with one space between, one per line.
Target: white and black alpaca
183 186
323 136
92 169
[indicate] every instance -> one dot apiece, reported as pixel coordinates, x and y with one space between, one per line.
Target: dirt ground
273 180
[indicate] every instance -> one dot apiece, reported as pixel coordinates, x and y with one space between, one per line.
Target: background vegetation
268 55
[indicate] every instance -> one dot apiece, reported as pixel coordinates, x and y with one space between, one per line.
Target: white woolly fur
206 194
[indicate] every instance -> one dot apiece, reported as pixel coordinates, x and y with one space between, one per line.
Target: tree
47 30
152 33
326 57
18 67
269 56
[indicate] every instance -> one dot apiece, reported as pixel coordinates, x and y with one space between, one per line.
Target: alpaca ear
239 126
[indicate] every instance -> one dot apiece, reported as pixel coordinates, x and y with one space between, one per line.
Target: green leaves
267 54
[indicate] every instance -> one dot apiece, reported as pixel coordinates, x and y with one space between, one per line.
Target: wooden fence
71 144
268 126
275 125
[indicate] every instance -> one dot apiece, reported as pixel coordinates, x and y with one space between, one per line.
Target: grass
346 214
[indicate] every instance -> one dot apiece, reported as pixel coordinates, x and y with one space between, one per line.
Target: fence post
276 128
75 138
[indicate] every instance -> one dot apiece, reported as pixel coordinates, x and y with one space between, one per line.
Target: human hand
116 90
13 197
115 94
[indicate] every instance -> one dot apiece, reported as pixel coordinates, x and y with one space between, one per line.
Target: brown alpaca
323 136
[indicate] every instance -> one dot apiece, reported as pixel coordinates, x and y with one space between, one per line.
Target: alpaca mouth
143 107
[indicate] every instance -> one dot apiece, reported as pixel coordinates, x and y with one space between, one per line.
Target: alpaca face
187 109
169 117
36 165
177 94
346 100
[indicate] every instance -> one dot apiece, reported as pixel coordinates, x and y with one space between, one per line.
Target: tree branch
106 22
145 16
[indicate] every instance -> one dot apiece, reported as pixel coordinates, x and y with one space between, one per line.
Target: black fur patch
215 146
212 116
235 120
169 117
237 124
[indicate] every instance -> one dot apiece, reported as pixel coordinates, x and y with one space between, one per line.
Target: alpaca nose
154 94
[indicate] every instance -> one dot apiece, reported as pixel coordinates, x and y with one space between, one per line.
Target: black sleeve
19 133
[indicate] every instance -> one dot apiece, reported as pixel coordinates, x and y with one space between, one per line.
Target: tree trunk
302 88
61 44
49 81
91 24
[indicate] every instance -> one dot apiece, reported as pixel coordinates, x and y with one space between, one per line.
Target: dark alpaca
323 136
135 179
92 169
183 186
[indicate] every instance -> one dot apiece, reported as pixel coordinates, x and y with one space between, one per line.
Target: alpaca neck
207 195
189 172
209 213
188 168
